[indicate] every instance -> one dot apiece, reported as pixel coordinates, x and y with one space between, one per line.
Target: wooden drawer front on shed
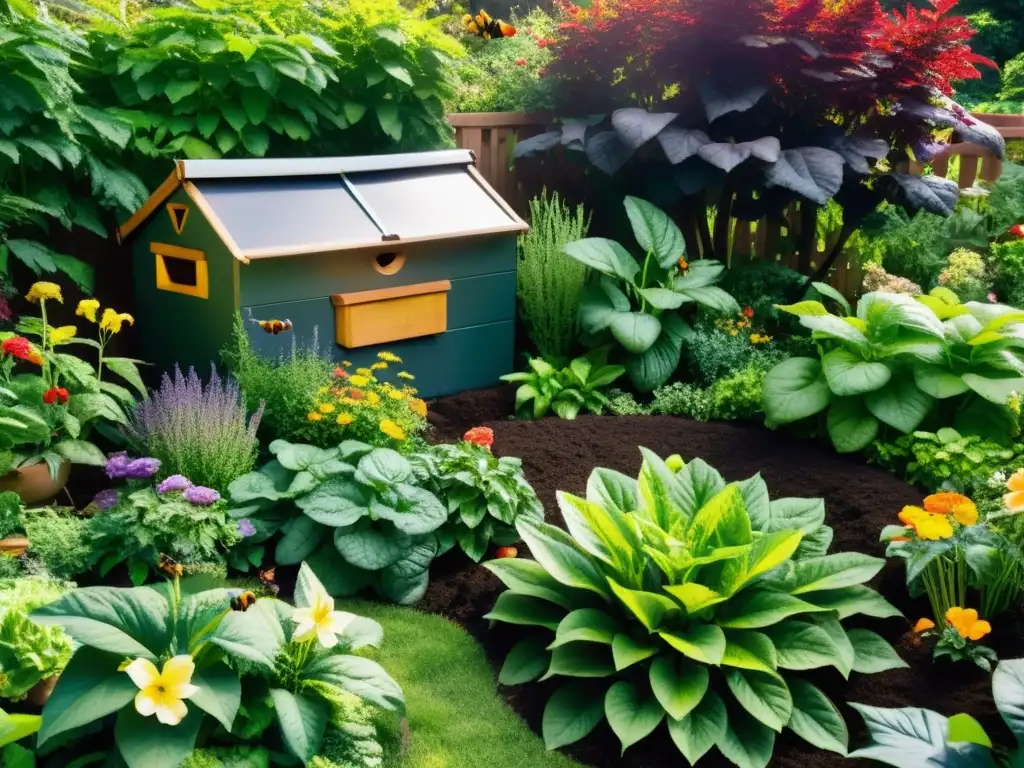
391 314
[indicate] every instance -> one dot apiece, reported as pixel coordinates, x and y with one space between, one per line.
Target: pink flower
992 298
520 62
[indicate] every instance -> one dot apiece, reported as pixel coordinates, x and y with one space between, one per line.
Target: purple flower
246 528
174 484
117 466
201 496
120 466
106 499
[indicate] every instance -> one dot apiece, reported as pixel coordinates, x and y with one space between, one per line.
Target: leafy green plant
59 161
688 600
58 540
485 495
565 391
894 360
548 283
738 395
14 728
29 653
353 512
909 737
965 275
1007 259
636 306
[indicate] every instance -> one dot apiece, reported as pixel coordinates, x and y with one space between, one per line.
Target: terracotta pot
34 484
14 546
39 695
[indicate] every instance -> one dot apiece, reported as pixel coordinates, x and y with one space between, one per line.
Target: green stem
643 281
46 357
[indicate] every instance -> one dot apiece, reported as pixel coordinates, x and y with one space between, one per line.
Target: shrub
715 351
549 283
662 580
683 399
965 275
1013 79
1008 263
622 403
738 395
877 279
59 539
196 430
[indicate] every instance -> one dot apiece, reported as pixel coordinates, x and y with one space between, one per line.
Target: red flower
544 42
55 394
506 552
1017 230
482 436
339 373
21 348
520 62
748 312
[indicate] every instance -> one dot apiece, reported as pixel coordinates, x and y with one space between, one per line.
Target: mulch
860 500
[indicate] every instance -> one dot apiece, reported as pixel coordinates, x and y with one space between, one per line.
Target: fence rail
492 135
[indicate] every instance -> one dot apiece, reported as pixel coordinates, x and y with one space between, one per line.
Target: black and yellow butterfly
486 27
273 326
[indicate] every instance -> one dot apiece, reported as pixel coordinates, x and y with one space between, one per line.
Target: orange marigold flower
506 552
482 436
419 407
1014 500
959 506
923 625
339 373
967 624
748 312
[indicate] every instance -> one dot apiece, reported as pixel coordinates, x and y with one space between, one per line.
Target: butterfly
486 27
273 326
267 581
242 601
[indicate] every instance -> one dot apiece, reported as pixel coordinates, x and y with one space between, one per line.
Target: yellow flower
88 308
1014 500
405 375
396 394
379 367
392 430
325 408
373 398
351 401
163 693
909 514
112 321
319 620
63 334
389 357
418 407
923 625
344 419
346 363
42 290
962 508
364 371
733 332
359 380
966 623
932 527
314 416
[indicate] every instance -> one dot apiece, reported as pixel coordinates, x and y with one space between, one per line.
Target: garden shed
411 253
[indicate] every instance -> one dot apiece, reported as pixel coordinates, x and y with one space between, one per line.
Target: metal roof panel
263 168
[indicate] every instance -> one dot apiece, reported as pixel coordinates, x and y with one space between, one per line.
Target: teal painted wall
172 327
474 352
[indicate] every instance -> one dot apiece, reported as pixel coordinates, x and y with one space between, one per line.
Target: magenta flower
174 484
201 496
246 528
106 499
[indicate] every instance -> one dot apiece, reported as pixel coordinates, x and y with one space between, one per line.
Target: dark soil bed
860 500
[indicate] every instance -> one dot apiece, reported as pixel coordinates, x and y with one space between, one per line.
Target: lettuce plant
894 360
636 304
679 598
566 391
355 512
909 737
485 495
29 652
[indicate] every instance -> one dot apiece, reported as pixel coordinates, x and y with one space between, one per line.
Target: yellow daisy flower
373 398
396 394
379 367
405 375
344 419
418 407
364 371
42 291
314 416
359 380
88 308
325 408
389 357
112 321
392 430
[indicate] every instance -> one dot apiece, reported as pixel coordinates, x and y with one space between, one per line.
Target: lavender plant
201 432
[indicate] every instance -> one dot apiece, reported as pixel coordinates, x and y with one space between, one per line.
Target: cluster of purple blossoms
174 484
201 496
106 499
119 466
246 528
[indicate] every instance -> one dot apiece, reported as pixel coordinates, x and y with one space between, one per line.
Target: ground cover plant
566 391
728 589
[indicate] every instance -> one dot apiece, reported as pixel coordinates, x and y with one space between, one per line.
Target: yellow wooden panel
366 318
201 290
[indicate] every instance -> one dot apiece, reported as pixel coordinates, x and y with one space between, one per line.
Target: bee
486 27
170 566
242 601
273 326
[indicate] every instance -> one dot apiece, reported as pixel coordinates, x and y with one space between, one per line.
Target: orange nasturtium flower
923 625
908 514
926 525
1014 500
959 506
967 624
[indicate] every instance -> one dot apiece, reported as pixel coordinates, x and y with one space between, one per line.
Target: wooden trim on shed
177 252
215 223
166 189
382 294
498 199
379 246
499 119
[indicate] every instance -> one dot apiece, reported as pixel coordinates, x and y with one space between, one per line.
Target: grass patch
456 717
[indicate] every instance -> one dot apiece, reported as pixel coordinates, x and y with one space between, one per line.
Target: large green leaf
655 232
219 694
631 717
406 580
816 719
848 601
144 742
900 404
255 634
843 659
337 503
872 653
787 514
656 366
585 624
843 569
372 548
994 390
701 729
701 642
528 577
562 557
679 685
606 256
419 510
938 382
302 537
526 662
303 721
572 712
1008 692
635 331
746 743
581 660
851 426
89 688
721 522
523 609
755 608
802 645
746 649
849 374
626 651
763 695
361 677
794 390
911 737
652 610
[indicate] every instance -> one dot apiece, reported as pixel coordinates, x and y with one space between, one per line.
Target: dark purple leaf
535 145
825 77
949 114
722 97
608 152
681 143
574 134
727 155
855 150
809 48
813 172
930 193
638 126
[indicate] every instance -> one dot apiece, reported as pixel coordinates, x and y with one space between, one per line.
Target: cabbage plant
677 598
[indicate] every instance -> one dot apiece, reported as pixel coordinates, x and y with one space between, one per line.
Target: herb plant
909 737
637 306
486 496
196 430
353 512
677 597
566 391
549 283
58 542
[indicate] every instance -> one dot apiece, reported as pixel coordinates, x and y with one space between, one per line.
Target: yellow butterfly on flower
163 693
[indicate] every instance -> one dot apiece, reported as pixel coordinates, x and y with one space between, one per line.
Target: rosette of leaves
486 495
566 391
29 652
353 512
637 307
892 362
909 737
680 599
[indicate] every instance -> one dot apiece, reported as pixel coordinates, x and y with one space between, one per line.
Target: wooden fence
492 136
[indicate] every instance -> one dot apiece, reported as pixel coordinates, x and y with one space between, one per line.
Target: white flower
163 693
320 620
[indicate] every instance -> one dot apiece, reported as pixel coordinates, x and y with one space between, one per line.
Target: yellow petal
979 629
1016 481
146 702
178 671
143 673
171 711
1014 501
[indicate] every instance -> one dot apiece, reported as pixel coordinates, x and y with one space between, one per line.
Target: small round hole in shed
388 263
